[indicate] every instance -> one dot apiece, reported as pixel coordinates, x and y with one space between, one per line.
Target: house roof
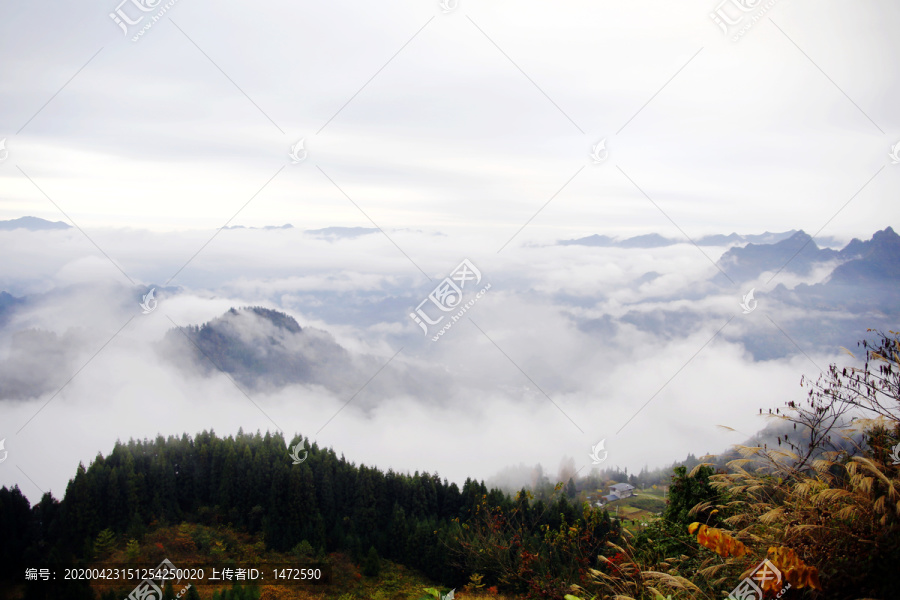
622 487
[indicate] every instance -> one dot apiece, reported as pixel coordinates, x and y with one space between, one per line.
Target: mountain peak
32 224
261 348
882 240
886 235
799 236
797 253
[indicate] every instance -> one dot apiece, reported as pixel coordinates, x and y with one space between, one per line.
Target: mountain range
330 233
853 288
873 261
795 238
655 240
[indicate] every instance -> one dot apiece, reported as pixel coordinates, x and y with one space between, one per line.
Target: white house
622 490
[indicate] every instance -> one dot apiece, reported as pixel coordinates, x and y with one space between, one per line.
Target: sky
463 130
470 120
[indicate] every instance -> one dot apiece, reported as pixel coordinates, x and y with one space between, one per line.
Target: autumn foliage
717 540
798 574
794 570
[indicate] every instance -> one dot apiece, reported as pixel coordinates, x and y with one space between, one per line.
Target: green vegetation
372 564
823 506
214 487
687 492
106 539
647 504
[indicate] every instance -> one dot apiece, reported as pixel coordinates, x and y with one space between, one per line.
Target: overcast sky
468 120
461 134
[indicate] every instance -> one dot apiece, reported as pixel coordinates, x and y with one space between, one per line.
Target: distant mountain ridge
32 224
874 260
341 232
285 226
8 303
655 240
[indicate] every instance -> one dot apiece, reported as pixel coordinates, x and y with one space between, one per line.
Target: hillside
255 500
189 544
251 483
260 347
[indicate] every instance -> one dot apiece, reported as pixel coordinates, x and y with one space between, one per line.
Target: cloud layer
569 346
